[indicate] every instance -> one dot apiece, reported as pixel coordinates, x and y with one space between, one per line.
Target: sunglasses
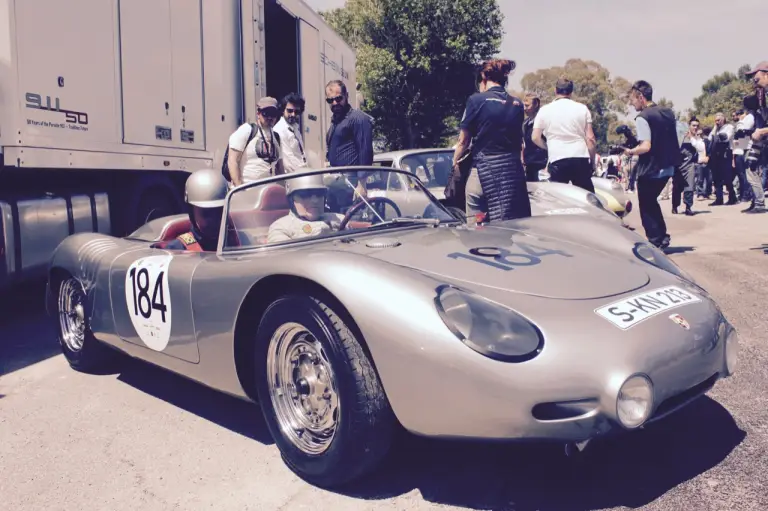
337 99
269 112
294 110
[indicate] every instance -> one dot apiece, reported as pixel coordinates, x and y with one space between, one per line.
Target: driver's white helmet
311 182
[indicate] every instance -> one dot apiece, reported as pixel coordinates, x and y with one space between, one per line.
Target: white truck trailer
107 105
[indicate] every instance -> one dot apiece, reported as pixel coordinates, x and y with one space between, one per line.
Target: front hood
534 260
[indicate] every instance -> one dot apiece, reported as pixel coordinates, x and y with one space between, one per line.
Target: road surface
139 438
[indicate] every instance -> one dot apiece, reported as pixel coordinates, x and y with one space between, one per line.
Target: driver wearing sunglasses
306 197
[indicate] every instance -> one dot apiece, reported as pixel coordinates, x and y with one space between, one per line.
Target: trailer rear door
313 93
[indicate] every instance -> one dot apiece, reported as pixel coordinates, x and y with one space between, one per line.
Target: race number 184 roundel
149 300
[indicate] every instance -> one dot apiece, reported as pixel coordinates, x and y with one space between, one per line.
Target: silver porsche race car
433 168
346 324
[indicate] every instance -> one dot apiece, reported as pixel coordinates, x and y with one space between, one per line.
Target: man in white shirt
254 150
289 130
570 141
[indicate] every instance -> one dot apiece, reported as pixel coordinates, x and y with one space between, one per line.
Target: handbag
455 189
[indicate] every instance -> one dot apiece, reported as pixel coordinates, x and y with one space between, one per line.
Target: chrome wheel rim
302 388
72 314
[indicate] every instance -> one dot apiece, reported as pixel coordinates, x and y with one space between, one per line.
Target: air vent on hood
383 243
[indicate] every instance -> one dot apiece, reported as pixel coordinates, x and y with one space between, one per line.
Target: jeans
648 190
682 184
758 188
745 191
703 181
722 175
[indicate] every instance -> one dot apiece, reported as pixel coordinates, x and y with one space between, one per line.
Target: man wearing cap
306 197
254 149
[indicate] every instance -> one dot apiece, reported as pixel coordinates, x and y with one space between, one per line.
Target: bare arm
591 142
461 146
537 138
235 172
642 148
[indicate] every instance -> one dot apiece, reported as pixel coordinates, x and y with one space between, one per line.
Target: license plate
628 312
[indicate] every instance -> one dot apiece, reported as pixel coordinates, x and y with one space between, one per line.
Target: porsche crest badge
307 228
677 318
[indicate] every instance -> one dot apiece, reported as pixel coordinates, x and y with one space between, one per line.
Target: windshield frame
327 170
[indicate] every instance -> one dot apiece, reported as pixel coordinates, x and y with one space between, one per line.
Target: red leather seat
271 204
175 228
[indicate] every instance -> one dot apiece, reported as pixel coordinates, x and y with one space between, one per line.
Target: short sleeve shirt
252 166
564 124
494 119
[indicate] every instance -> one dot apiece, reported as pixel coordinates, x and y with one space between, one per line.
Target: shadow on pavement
234 414
27 335
678 250
631 470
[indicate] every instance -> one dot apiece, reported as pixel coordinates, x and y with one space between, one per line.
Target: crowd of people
510 140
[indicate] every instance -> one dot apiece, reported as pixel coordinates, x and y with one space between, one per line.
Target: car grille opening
564 409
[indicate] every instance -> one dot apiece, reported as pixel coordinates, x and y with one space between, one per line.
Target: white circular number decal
149 300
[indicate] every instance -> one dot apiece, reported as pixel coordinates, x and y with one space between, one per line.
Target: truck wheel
148 198
320 394
81 349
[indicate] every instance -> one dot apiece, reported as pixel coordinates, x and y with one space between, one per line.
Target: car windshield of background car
433 169
394 201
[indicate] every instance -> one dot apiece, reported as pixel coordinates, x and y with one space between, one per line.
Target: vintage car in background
433 166
397 314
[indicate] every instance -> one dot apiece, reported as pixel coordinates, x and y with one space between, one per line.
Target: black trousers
683 184
722 174
576 171
648 190
532 171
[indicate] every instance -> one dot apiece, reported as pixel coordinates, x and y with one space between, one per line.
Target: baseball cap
266 102
762 66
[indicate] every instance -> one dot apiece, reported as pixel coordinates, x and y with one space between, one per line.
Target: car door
151 301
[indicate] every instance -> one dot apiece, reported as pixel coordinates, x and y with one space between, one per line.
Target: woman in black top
493 122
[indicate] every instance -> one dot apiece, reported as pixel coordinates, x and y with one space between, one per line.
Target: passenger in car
306 198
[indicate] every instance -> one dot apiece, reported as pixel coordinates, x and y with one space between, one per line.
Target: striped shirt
350 140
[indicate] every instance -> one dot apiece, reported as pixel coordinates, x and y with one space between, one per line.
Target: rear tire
320 394
81 349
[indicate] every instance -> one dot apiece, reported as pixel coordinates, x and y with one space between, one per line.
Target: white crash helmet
206 188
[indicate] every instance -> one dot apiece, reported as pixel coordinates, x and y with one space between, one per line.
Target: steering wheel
360 205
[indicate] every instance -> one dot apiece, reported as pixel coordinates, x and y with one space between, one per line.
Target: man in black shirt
659 155
350 136
534 157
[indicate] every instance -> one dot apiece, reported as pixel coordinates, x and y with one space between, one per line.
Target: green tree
416 61
605 96
722 93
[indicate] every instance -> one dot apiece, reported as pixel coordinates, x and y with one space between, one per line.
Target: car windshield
324 204
432 168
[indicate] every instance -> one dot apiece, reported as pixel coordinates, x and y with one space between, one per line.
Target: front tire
81 349
320 394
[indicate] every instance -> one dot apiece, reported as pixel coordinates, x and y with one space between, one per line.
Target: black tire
92 355
366 423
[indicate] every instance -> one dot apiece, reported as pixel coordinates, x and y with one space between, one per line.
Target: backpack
225 163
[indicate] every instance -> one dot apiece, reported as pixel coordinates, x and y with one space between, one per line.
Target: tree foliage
416 61
722 93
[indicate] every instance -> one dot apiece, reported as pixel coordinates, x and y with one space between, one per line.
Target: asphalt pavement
139 438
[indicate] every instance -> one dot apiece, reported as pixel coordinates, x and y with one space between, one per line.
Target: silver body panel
426 372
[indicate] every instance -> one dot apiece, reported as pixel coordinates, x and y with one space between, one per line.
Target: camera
752 158
630 141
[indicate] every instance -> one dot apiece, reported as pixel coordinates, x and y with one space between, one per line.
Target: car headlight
635 401
728 334
488 328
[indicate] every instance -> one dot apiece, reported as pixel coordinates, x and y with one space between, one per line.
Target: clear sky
674 44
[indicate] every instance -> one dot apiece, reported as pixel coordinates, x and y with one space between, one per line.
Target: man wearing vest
659 154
